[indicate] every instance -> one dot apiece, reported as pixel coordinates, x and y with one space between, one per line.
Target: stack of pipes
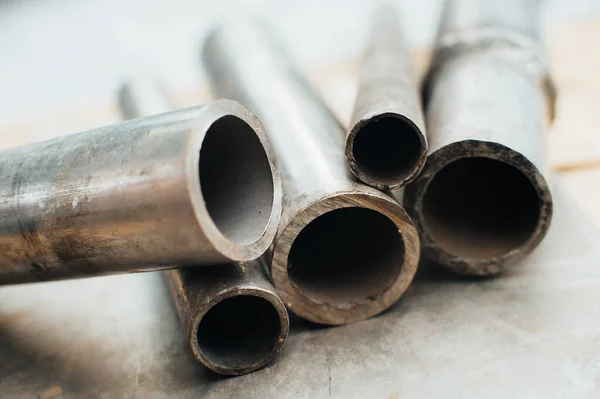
251 212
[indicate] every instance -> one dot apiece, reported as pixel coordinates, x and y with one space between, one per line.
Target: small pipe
233 319
171 189
482 203
344 251
386 146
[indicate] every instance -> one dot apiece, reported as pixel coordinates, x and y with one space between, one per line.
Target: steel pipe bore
386 145
344 251
233 319
481 202
192 187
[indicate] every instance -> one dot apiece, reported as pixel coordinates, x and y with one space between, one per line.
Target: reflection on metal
140 195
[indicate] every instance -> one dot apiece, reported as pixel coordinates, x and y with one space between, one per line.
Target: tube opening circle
238 332
479 208
388 149
236 180
346 255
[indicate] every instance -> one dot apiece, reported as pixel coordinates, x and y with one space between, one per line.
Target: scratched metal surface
534 332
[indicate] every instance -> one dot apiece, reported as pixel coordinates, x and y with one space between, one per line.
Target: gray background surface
533 332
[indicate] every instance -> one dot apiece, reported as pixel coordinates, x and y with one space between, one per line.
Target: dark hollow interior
479 208
346 255
236 180
387 149
239 331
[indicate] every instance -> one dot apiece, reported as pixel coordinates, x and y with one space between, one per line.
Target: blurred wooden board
574 52
584 185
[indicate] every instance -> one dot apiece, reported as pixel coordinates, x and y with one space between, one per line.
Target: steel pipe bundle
344 251
191 187
386 146
233 319
482 203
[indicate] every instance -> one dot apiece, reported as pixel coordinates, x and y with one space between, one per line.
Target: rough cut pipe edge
386 146
170 189
233 319
344 251
481 203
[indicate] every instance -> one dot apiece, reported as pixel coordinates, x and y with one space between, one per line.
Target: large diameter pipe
386 145
344 251
191 187
482 203
233 319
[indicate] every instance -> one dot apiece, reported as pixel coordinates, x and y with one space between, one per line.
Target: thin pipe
386 145
232 317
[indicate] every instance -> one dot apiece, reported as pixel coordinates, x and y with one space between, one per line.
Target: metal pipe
386 145
344 251
144 96
482 203
233 319
192 187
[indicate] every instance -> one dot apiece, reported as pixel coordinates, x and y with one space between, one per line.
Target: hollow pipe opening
479 208
388 149
236 180
239 331
346 255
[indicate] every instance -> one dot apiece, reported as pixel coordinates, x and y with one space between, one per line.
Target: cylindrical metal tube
192 187
233 319
344 251
144 96
386 145
481 203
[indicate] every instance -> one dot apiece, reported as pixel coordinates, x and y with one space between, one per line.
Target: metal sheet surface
533 332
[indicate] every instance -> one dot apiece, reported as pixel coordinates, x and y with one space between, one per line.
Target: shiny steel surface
129 197
233 319
386 146
344 251
488 100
